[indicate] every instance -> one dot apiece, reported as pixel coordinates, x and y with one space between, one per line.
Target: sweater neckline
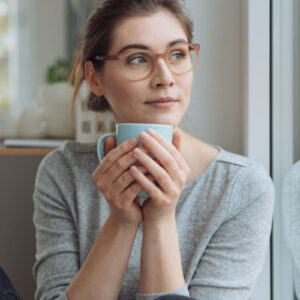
209 168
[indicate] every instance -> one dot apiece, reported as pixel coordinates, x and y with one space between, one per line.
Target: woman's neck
197 154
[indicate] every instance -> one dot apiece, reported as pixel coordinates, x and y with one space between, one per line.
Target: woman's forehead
153 31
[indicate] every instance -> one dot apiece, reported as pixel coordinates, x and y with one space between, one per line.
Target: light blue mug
126 131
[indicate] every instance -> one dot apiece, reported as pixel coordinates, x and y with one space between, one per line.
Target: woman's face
129 100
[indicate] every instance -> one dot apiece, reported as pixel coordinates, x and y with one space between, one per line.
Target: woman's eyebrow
177 42
134 46
144 47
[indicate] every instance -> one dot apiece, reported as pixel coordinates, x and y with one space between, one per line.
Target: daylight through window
5 49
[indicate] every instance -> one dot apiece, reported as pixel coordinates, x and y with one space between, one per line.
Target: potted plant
59 71
55 99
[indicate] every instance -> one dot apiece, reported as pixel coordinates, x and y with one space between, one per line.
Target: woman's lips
162 102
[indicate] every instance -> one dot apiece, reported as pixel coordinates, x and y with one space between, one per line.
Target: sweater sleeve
235 254
56 260
182 292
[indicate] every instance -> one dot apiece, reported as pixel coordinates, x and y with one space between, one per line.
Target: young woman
205 228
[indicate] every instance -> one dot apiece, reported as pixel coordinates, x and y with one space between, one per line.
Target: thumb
177 139
110 143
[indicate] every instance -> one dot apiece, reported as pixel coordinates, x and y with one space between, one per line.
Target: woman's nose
162 75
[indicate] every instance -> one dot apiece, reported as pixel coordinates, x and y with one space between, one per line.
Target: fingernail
132 141
143 135
137 151
151 131
134 169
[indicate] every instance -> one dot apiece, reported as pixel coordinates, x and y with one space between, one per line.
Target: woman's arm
57 259
235 254
161 269
100 277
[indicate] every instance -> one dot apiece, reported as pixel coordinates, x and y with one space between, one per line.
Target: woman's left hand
169 170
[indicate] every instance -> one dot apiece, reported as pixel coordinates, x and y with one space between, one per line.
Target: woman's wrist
160 232
102 273
159 223
123 225
161 268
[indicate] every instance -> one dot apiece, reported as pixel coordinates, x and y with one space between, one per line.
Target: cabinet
18 168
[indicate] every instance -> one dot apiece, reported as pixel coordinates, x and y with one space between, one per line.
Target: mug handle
100 144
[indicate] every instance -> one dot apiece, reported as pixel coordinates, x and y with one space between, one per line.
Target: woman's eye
136 60
177 56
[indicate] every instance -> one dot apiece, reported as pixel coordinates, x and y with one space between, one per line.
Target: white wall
215 112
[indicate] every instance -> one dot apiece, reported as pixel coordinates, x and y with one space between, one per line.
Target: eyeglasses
140 64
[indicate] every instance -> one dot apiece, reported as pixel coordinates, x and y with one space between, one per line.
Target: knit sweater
223 221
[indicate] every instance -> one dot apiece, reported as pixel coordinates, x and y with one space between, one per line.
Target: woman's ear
93 78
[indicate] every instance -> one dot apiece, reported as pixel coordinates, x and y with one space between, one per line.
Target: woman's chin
152 119
167 120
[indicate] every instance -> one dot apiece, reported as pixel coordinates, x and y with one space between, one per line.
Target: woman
204 230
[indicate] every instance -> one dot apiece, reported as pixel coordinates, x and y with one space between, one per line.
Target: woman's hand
117 184
168 169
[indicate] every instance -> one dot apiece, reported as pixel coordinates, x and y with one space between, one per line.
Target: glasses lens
137 64
182 58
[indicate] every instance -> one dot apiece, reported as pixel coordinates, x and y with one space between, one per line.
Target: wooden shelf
24 151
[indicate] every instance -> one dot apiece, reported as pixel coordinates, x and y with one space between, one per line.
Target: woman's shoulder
250 179
248 172
71 149
233 159
69 155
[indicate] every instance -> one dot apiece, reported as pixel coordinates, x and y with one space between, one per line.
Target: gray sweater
223 219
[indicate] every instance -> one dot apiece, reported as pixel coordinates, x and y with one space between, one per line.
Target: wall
215 112
16 227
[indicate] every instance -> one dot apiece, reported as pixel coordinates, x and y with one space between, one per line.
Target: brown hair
96 36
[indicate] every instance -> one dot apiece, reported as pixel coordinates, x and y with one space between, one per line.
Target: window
6 41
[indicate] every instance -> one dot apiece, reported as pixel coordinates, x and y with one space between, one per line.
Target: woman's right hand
116 183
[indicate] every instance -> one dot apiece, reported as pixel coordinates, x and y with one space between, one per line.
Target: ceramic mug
126 131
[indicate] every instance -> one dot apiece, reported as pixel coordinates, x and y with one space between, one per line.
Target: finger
160 153
110 143
148 185
176 141
131 192
123 182
126 179
145 150
135 187
160 175
121 165
173 149
115 154
142 169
